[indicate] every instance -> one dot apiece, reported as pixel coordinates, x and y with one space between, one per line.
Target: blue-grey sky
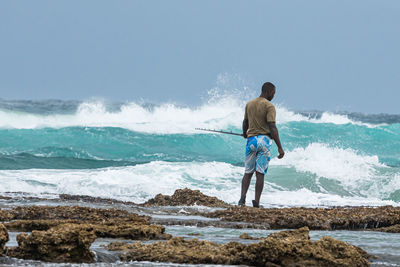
326 55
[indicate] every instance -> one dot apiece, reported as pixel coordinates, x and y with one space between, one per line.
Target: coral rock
6 215
65 243
131 231
185 197
30 225
90 199
314 218
247 236
287 248
3 238
74 213
118 245
390 229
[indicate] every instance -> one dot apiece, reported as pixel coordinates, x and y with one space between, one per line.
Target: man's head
268 90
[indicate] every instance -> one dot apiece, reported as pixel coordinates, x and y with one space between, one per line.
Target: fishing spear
217 131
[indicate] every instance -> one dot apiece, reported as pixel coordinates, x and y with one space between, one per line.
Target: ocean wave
135 183
163 119
357 174
141 182
323 160
22 161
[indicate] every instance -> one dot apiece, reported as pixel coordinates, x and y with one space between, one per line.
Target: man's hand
245 127
281 153
275 136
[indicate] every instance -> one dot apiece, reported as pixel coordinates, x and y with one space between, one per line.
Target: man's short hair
267 87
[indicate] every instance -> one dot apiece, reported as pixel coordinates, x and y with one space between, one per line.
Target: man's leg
245 184
259 186
249 166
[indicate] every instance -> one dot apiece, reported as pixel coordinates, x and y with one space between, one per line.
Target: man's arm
245 127
275 136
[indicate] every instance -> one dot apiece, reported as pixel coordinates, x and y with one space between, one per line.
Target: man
260 129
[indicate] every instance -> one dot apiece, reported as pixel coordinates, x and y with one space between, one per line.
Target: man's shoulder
260 101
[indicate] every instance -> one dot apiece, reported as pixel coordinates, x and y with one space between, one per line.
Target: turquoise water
133 151
94 147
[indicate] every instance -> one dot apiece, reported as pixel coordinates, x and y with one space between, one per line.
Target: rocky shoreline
65 233
287 248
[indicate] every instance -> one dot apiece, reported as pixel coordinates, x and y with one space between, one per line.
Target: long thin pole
216 131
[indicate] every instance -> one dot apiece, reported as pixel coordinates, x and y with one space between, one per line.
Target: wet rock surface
390 229
131 231
64 243
5 215
247 236
287 248
90 199
186 197
3 238
30 225
73 213
51 221
215 223
112 223
65 233
315 218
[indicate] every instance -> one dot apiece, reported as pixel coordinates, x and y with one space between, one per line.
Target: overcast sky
326 55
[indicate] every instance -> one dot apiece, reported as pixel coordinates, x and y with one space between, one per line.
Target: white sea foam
331 162
306 198
354 171
141 182
166 118
135 183
328 117
339 119
220 113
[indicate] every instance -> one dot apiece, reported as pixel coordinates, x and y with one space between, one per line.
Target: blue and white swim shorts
258 154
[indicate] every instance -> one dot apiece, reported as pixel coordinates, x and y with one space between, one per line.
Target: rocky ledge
3 238
65 233
186 197
354 218
76 213
390 229
64 243
338 218
112 223
287 248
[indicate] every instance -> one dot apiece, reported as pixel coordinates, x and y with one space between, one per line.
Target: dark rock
30 225
106 229
247 236
118 245
185 197
195 234
390 229
3 238
64 243
314 218
74 213
131 231
6 215
204 223
90 199
287 248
